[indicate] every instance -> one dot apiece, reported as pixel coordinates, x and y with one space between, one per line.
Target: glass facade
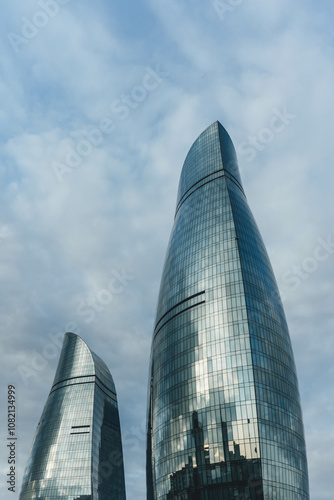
224 416
77 450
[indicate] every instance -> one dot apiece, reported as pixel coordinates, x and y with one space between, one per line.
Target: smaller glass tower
77 449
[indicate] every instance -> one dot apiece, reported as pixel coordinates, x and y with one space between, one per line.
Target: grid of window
224 413
77 452
280 419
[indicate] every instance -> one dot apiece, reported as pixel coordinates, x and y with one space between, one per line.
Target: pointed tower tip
217 122
74 336
215 127
212 152
73 348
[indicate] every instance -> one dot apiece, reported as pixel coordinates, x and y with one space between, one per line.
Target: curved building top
211 154
77 360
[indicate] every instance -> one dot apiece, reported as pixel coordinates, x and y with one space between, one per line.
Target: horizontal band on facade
178 304
228 174
224 174
178 314
113 398
82 376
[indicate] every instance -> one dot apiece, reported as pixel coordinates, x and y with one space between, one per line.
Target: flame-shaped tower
77 449
224 415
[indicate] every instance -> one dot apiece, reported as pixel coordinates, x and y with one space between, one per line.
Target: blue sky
100 103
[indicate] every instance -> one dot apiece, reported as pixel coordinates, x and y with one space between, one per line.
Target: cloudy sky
100 102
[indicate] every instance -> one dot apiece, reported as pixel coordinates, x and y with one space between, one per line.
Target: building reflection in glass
202 479
223 406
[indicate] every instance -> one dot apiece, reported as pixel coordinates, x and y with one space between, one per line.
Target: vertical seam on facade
250 343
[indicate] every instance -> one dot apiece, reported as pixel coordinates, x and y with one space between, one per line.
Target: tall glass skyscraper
77 449
224 415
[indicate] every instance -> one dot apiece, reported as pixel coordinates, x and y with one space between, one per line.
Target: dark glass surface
224 419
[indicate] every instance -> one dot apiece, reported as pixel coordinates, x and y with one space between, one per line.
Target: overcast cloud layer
100 102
